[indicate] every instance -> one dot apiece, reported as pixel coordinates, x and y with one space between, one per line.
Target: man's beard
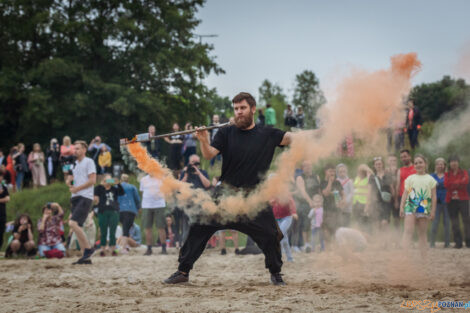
244 122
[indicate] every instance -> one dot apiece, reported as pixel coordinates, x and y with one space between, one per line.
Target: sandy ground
231 283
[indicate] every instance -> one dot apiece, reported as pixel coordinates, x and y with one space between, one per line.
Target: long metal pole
146 136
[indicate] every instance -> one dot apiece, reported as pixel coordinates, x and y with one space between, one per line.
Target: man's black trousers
263 230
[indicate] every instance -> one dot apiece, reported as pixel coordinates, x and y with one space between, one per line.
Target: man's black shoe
164 252
277 280
458 246
177 278
80 261
237 251
148 252
223 251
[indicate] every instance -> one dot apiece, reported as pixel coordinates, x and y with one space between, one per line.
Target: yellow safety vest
360 190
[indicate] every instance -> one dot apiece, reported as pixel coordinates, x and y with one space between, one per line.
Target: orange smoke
365 103
463 65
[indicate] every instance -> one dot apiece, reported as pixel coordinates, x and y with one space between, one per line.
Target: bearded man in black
247 151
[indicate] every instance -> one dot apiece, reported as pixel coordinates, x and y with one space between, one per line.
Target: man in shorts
153 211
81 182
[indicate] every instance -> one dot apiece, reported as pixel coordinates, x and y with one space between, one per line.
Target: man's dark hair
405 150
244 96
328 166
268 105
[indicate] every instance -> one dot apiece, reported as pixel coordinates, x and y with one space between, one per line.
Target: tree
437 98
274 95
107 67
308 95
221 106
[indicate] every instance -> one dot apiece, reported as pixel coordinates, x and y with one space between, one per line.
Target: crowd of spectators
367 198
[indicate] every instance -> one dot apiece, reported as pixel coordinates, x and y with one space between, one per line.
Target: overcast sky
275 39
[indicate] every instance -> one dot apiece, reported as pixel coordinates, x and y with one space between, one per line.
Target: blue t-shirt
440 189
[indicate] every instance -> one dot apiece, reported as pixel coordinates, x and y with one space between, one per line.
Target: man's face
195 160
243 114
79 151
330 173
215 119
97 139
405 158
152 130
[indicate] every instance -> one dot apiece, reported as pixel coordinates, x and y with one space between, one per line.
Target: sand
231 283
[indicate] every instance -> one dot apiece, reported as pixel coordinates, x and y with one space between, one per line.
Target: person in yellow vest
104 160
361 184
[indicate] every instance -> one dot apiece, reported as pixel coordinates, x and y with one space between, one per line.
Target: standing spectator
413 124
441 208
300 117
212 132
392 169
361 183
67 155
154 211
80 185
176 143
289 117
198 178
270 116
418 204
21 166
307 185
106 196
10 167
105 160
456 181
23 239
379 195
348 187
4 199
334 200
95 149
284 213
153 146
406 170
36 165
129 204
52 158
3 159
316 220
50 232
260 121
189 145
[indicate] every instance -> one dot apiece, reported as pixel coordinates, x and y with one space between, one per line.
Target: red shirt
456 185
283 210
404 173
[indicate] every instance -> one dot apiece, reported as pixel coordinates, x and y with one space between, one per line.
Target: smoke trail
365 102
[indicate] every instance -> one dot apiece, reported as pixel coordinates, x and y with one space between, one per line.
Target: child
316 219
418 204
104 160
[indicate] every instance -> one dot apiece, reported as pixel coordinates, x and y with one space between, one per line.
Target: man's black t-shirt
3 193
108 198
246 154
330 203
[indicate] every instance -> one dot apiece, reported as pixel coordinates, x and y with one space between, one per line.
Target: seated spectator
172 239
23 239
4 198
89 228
50 233
105 160
134 239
